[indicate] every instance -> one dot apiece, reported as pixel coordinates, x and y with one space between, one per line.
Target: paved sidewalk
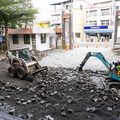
2 57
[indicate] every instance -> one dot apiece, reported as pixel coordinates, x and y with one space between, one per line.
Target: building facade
32 38
68 17
99 21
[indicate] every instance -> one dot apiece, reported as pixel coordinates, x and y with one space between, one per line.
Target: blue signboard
1 39
96 27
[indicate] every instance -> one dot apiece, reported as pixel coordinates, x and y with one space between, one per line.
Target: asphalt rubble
38 54
61 94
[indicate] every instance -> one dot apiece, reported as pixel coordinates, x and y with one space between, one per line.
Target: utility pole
116 45
63 31
114 21
67 29
70 29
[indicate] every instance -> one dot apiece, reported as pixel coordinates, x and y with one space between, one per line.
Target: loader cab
22 53
25 54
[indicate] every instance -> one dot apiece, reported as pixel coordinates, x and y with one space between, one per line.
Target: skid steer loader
21 63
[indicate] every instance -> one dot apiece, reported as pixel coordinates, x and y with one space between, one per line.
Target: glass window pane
93 13
77 35
27 39
105 12
93 23
105 22
43 38
15 39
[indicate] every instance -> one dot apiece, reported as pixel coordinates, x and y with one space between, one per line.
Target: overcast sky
44 7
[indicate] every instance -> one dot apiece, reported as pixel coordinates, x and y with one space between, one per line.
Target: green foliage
14 11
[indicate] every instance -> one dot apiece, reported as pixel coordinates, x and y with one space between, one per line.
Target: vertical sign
1 39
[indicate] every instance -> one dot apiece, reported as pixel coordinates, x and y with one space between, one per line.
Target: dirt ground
59 94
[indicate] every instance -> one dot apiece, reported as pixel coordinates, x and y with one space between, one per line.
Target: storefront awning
108 31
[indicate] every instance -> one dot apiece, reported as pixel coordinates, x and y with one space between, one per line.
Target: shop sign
66 16
1 39
58 30
96 27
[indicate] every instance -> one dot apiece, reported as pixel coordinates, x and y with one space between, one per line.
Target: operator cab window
25 54
15 53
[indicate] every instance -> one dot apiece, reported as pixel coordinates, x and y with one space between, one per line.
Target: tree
15 12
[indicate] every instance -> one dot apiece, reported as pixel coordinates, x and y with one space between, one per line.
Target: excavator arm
97 55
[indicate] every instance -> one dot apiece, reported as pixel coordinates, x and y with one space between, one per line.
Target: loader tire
11 71
21 73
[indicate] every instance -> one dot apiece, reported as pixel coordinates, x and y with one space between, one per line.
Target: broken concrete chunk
109 109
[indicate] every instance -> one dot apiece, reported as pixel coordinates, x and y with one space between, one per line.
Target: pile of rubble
40 55
61 94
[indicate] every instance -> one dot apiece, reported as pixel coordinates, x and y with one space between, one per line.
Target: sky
44 7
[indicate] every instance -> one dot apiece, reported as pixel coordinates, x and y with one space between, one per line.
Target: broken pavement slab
98 81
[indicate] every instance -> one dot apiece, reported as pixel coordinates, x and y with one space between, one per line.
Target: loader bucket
39 70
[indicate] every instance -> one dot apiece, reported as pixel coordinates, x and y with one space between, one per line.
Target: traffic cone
65 47
74 46
87 46
106 46
96 46
78 46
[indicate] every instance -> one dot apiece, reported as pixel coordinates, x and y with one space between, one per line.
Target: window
81 7
25 54
15 53
67 7
86 13
33 39
77 35
93 23
117 7
87 23
105 12
43 38
57 26
104 22
93 13
26 39
15 39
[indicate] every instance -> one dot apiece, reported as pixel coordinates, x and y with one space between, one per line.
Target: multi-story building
68 20
99 21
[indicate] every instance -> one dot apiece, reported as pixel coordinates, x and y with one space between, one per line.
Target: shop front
97 34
